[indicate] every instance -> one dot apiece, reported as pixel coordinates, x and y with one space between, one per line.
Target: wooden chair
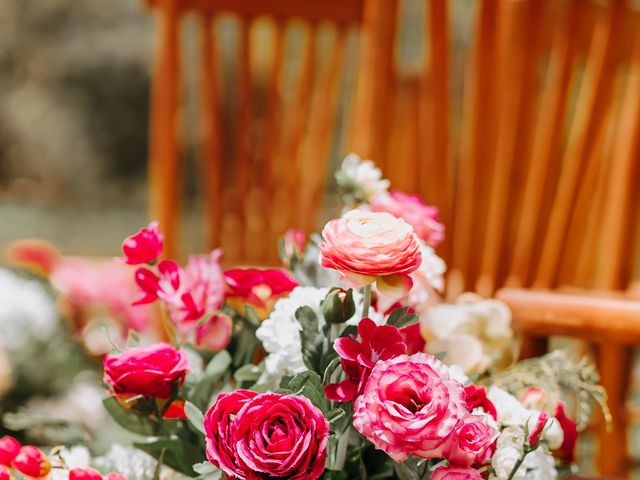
267 122
536 168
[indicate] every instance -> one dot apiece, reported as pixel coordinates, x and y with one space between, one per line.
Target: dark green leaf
128 419
333 365
178 454
309 384
311 340
248 373
399 318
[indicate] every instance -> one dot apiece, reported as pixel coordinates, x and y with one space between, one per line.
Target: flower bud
9 449
292 246
84 474
4 474
116 476
338 306
143 247
536 432
32 462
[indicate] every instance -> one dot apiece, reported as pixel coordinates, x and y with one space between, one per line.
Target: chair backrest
267 122
525 134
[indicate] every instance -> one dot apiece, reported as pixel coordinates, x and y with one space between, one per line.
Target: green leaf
399 318
203 384
338 419
133 340
252 317
309 384
333 365
128 419
195 416
311 340
248 373
178 454
206 471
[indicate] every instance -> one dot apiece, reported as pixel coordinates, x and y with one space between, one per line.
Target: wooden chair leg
615 369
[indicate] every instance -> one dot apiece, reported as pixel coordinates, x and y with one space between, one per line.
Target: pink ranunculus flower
151 371
412 209
473 436
84 474
143 247
359 357
257 288
32 462
9 449
263 436
410 405
369 247
456 473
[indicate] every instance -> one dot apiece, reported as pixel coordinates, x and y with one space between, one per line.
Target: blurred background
519 119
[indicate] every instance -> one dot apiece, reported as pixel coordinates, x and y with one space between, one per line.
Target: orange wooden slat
210 125
165 163
594 91
346 11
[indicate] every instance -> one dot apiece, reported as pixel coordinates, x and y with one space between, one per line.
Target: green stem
367 300
341 449
516 466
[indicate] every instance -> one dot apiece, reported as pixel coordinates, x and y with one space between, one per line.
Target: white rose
553 434
511 437
540 465
510 411
503 462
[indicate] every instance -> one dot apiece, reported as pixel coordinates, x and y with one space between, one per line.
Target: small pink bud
536 432
4 474
84 474
32 462
143 247
116 476
9 449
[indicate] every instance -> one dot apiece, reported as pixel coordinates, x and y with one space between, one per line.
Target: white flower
6 371
553 434
511 437
540 465
27 311
362 175
462 350
510 411
503 462
130 462
67 459
280 334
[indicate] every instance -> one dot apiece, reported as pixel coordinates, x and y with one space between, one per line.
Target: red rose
150 371
32 462
9 449
143 247
264 436
84 474
257 288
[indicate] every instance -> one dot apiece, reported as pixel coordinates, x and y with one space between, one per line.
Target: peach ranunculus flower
369 247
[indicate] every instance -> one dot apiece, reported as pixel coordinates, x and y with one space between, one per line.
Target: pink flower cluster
31 462
410 405
261 436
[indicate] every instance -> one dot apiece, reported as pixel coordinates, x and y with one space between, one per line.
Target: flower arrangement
343 364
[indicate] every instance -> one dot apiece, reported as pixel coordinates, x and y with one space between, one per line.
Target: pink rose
358 358
455 473
264 436
422 217
84 474
150 371
32 462
143 247
9 449
257 288
368 246
410 405
473 436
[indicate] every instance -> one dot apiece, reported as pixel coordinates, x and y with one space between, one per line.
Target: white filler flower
362 176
